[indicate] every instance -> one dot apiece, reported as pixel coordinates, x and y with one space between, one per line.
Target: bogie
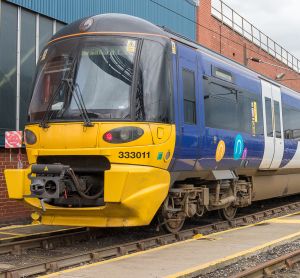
192 201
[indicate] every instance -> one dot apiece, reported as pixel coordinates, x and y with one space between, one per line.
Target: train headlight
30 137
123 134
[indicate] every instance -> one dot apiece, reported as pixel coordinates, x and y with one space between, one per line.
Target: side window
189 96
277 119
233 109
291 124
221 107
268 108
217 90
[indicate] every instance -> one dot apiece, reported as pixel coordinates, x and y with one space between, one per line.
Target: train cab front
100 136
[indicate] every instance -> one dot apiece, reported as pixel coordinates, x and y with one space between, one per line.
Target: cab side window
189 96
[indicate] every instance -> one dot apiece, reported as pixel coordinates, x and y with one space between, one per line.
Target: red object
108 137
13 139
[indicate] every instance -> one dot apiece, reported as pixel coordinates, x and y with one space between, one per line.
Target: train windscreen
104 77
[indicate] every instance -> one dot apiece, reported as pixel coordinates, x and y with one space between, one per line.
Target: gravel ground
257 259
288 273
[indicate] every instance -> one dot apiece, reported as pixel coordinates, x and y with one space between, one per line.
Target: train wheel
171 225
227 213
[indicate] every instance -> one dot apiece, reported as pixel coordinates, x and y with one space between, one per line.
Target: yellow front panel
68 136
135 193
154 148
134 187
17 182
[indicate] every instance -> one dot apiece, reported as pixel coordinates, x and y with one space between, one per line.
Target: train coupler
48 180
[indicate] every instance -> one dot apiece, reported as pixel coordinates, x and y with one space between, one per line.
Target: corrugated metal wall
152 10
23 34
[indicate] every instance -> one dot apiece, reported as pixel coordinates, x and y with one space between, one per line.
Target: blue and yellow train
128 121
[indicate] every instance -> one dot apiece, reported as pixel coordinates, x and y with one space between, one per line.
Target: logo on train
220 151
238 147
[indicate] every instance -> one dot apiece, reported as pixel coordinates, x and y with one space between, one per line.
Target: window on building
189 96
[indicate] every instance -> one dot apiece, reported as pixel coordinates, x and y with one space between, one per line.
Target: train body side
199 148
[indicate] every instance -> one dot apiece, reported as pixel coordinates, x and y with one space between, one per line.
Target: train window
291 124
221 107
154 85
189 96
268 107
277 119
217 90
232 109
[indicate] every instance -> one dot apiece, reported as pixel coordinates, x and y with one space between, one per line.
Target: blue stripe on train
251 154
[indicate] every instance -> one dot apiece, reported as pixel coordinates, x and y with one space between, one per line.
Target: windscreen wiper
43 122
77 95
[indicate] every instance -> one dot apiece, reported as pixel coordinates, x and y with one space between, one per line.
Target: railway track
266 269
78 258
17 245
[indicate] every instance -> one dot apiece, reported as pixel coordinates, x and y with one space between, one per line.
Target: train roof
111 23
123 23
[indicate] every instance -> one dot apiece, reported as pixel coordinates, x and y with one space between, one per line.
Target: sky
278 19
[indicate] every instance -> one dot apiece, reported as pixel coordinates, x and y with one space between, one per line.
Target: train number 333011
134 154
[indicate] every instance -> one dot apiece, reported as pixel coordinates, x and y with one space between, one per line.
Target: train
131 122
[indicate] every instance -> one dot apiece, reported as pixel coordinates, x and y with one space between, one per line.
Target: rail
56 264
268 268
236 22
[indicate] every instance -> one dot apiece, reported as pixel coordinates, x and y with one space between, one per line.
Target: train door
273 130
188 102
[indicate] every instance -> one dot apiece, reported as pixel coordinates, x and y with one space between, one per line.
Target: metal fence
239 24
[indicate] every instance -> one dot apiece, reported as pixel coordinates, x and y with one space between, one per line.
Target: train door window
250 110
189 96
268 108
277 119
